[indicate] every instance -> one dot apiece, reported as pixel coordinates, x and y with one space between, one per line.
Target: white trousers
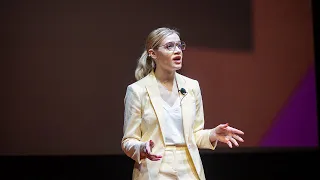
177 164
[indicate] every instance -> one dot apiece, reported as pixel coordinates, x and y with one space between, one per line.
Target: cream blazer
143 121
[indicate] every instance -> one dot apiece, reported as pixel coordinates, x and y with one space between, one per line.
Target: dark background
69 63
66 65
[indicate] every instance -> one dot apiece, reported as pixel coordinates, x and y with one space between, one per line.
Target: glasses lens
170 46
182 45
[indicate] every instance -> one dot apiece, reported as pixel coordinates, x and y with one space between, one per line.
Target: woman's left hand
226 134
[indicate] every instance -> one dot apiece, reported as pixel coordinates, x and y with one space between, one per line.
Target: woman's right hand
146 151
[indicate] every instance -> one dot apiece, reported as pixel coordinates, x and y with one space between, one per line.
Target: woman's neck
164 77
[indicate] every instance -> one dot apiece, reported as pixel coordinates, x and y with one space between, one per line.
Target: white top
173 127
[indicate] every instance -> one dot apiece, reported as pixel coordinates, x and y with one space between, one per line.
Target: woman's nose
177 50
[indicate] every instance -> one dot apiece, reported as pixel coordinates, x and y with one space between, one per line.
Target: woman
163 118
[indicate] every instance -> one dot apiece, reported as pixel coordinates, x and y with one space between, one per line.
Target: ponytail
145 66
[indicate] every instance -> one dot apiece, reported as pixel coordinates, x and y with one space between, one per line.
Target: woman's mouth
177 59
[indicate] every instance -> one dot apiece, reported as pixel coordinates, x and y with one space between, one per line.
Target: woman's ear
152 54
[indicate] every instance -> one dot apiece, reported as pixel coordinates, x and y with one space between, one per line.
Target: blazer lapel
185 104
154 94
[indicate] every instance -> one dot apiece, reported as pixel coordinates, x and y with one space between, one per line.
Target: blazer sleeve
131 143
201 135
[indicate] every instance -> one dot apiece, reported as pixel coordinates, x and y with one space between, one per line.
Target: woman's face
168 56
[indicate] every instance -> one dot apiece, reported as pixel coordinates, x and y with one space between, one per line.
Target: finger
234 141
229 144
151 143
237 138
224 125
221 128
234 130
154 157
226 140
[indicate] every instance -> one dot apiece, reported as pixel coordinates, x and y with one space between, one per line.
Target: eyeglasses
171 46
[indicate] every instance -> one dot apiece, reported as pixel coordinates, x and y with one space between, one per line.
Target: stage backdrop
67 63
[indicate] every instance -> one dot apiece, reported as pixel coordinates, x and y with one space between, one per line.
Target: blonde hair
145 63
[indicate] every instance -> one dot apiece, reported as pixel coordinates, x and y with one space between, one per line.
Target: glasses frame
179 44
